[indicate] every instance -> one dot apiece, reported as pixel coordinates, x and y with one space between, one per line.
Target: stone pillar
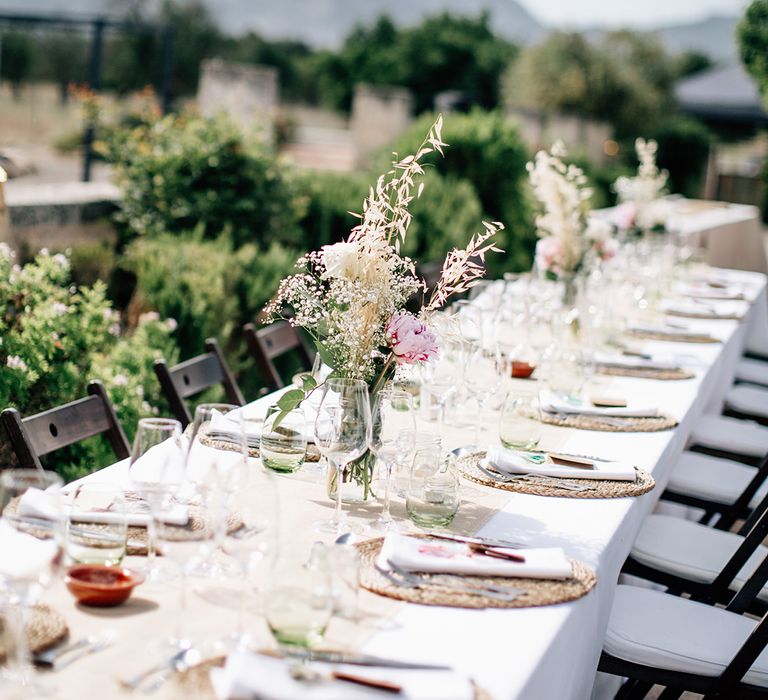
379 116
247 94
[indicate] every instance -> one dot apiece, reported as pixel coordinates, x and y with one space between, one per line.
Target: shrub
183 171
485 150
56 337
684 145
92 261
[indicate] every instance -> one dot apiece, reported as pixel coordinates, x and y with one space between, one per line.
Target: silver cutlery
61 657
336 657
191 658
560 483
135 682
406 579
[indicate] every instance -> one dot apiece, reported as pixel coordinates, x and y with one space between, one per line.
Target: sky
635 13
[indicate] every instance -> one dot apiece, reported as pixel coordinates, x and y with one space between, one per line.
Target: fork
72 652
561 483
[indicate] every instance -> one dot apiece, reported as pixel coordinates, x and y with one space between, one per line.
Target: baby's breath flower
15 362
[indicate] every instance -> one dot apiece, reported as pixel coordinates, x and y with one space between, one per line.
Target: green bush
485 150
684 146
92 261
56 337
183 171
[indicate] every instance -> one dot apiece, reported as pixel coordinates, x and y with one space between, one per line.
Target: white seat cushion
695 552
754 371
713 478
731 435
748 399
663 631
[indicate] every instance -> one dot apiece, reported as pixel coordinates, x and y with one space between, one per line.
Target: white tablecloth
547 653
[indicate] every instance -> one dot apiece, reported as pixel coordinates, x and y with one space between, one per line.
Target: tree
752 34
15 59
692 62
63 59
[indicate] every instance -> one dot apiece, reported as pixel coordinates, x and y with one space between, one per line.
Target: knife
338 657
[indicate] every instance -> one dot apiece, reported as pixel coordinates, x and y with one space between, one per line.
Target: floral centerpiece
642 207
569 238
351 297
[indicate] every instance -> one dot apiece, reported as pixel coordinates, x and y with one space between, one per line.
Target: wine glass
157 455
482 379
96 524
31 536
392 434
253 543
342 434
211 473
444 375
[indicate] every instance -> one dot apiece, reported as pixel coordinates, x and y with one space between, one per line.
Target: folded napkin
705 291
39 504
443 557
224 427
708 309
509 462
24 556
673 331
257 677
632 362
551 404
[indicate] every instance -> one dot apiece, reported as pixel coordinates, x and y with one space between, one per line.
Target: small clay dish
522 370
101 586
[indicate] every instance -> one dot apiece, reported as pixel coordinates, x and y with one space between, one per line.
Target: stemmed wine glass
31 538
482 379
157 457
444 375
342 434
392 434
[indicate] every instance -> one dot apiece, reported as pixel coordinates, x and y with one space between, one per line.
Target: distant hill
327 22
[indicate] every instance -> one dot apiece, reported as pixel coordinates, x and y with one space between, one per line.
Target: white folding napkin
39 504
632 362
508 462
24 556
255 677
705 309
673 331
705 291
552 404
223 425
443 557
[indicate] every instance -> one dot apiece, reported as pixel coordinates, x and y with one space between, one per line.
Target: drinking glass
284 447
344 562
342 434
520 426
254 542
444 375
433 489
212 474
392 434
96 524
32 541
483 378
157 456
298 602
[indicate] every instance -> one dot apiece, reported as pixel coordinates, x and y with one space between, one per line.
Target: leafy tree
752 34
692 62
62 59
16 52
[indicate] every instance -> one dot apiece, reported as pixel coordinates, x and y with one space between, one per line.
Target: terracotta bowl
522 370
101 586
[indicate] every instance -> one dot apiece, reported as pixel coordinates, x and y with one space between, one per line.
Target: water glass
284 446
299 601
96 524
433 489
345 583
520 424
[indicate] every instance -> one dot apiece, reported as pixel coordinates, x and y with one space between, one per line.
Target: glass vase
356 481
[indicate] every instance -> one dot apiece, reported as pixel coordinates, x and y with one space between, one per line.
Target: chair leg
670 694
625 690
633 690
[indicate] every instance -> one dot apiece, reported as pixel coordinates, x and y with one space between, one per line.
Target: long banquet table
526 654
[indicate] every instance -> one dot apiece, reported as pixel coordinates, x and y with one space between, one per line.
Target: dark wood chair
36 436
194 376
273 341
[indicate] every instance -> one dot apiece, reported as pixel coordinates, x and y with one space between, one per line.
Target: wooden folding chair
273 341
194 376
36 436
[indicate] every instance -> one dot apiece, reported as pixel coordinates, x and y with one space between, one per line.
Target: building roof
726 93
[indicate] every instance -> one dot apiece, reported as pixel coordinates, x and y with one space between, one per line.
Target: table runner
520 654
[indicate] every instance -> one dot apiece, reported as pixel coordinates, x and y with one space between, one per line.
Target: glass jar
432 499
520 425
283 447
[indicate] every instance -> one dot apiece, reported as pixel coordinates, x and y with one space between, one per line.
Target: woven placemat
313 454
538 486
682 337
537 592
45 628
609 424
646 372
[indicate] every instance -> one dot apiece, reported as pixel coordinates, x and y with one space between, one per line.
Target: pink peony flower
410 339
549 253
608 248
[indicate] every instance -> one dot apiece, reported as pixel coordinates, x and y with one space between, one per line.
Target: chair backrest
194 376
273 341
36 436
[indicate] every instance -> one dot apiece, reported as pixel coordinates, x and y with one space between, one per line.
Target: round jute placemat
681 337
436 589
646 372
313 454
538 486
609 424
196 681
45 628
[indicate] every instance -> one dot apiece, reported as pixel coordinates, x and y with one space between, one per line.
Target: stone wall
379 116
247 94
